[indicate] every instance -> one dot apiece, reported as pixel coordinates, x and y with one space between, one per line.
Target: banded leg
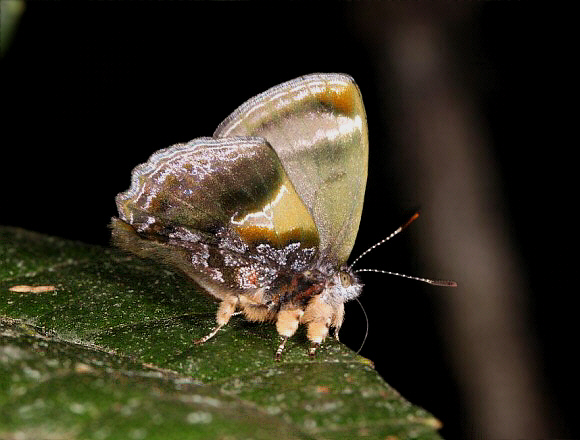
316 332
281 348
313 348
319 316
208 336
225 311
287 322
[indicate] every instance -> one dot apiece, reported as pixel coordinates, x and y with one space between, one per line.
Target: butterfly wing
213 207
317 126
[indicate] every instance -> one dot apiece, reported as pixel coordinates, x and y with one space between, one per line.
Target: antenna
384 240
442 283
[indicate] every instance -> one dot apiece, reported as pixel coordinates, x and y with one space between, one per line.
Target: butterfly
264 214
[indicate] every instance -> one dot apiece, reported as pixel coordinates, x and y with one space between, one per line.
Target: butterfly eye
345 279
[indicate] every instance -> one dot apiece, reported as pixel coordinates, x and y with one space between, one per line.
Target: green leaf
108 353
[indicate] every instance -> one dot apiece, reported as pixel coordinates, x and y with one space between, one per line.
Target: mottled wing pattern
217 210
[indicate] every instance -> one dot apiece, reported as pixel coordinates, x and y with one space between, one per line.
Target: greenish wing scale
317 126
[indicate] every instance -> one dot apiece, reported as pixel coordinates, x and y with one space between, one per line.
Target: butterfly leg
316 332
318 317
337 319
281 348
313 348
287 321
225 311
208 336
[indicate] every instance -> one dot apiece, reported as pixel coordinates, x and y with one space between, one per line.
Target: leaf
108 353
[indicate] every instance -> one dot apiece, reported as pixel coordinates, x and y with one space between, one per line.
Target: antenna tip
443 283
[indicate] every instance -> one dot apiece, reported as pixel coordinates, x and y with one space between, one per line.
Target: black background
89 90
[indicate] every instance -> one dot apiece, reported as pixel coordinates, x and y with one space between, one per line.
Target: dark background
89 90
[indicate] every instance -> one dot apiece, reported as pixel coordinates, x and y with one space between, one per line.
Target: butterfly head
342 286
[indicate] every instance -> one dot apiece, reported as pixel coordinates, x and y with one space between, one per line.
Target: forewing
317 125
213 204
210 184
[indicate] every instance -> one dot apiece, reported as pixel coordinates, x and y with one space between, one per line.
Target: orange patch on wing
341 98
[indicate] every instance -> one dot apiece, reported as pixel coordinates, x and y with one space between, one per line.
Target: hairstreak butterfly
264 214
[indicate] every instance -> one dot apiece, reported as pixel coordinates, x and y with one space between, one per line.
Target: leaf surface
109 353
